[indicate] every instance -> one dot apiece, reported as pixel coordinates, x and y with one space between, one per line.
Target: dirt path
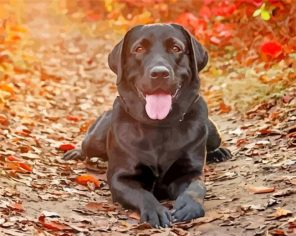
54 105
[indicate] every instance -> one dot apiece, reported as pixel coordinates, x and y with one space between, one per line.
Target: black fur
150 159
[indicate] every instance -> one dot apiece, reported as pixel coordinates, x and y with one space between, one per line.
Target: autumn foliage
250 30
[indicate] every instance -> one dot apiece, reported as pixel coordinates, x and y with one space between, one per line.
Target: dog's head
157 69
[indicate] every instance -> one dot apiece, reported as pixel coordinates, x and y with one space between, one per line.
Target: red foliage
258 3
272 49
219 24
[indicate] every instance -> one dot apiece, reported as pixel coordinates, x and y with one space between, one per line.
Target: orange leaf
26 167
17 164
4 120
224 108
84 179
261 189
16 206
7 88
66 147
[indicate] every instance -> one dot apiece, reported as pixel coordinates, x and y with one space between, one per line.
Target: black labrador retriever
158 133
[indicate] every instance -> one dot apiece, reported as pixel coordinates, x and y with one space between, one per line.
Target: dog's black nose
159 72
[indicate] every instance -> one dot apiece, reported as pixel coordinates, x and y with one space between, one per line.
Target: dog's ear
198 52
115 60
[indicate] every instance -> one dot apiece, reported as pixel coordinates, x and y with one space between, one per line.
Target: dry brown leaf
293 181
53 225
260 189
134 215
280 212
100 206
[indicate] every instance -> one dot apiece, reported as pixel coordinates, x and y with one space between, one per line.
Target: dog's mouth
158 102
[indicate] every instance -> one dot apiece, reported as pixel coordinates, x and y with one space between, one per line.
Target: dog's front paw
187 209
75 154
218 155
157 216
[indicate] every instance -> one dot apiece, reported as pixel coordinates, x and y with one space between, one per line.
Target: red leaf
12 158
74 118
53 225
66 147
26 167
272 48
84 179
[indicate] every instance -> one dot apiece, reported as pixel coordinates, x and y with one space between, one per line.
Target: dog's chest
159 147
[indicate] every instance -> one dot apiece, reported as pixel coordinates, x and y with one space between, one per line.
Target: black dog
158 133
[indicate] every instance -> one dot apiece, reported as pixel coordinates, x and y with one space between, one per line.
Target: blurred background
251 42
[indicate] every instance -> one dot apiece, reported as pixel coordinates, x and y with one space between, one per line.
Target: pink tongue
158 106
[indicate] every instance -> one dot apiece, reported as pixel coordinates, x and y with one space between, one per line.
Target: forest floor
252 194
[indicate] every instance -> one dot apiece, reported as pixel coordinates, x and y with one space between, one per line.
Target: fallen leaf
285 192
26 167
12 158
100 206
280 212
66 147
134 215
4 120
53 225
278 232
16 207
84 179
74 118
224 108
260 189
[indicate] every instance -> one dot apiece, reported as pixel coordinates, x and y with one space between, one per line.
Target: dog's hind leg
94 143
215 153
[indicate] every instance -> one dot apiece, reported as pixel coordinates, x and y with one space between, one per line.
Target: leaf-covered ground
49 106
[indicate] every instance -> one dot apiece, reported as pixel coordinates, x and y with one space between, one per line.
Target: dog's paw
75 154
218 155
158 216
186 209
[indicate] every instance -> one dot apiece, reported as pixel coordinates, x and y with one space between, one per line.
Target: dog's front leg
189 204
128 191
188 188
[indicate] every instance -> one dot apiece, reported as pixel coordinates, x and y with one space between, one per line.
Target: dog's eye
176 48
140 49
